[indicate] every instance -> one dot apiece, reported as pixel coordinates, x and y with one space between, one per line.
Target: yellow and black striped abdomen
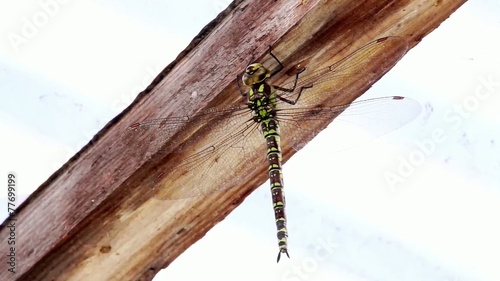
262 101
271 133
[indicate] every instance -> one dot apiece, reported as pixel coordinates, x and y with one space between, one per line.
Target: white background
79 63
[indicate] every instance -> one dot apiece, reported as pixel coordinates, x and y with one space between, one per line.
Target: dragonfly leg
291 90
280 67
298 95
294 83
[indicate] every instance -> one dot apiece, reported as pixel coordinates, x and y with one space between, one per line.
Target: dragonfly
232 134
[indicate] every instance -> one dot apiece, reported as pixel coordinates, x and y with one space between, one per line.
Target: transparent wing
233 138
326 90
229 137
332 80
164 128
375 117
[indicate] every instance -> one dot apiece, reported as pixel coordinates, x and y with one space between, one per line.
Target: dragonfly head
255 73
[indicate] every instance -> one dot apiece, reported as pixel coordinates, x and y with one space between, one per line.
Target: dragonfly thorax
255 73
262 101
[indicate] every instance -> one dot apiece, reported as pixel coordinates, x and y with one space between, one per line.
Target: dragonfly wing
325 94
165 128
375 117
217 157
336 78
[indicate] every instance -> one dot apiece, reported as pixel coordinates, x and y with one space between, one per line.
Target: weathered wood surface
94 218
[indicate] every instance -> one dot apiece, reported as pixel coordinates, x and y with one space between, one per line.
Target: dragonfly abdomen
274 157
262 101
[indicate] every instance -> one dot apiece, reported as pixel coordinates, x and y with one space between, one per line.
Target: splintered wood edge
92 220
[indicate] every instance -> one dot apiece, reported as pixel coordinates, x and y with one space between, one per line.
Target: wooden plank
94 218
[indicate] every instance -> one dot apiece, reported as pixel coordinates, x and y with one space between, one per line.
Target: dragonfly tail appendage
284 251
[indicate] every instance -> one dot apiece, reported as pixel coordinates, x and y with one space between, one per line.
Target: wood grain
94 218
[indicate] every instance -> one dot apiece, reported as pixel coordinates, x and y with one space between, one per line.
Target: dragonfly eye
255 73
251 69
